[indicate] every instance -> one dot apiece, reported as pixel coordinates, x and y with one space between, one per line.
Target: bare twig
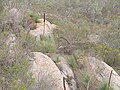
44 25
110 78
64 83
75 59
64 39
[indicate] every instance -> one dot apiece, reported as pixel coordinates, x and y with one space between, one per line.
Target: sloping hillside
59 44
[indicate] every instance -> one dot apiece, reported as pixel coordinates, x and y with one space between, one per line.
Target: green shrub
86 78
110 55
45 45
72 62
34 17
104 86
55 57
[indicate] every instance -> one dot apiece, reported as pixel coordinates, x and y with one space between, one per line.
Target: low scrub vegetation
76 21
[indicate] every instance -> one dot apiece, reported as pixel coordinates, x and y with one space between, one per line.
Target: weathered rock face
12 21
11 42
43 28
14 15
93 38
47 75
102 72
63 66
67 72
